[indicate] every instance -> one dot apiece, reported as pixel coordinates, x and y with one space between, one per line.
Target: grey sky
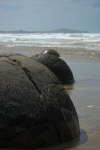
50 14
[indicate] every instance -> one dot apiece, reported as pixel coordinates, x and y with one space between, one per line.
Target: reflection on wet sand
73 144
68 87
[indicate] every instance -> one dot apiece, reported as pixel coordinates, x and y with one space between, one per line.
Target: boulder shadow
74 143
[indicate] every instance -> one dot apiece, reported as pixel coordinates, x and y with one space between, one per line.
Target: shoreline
31 50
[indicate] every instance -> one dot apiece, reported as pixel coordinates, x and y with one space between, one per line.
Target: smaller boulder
51 59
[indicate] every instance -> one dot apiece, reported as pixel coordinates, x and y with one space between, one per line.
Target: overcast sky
50 14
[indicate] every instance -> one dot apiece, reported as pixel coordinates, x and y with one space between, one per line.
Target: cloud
9 5
97 4
83 3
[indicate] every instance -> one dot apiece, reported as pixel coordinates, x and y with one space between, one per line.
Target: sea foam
90 41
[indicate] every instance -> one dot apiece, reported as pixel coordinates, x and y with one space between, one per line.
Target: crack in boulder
27 72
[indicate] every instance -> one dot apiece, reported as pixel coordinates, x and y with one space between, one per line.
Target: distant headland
61 30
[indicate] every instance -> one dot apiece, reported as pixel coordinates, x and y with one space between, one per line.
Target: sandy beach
85 93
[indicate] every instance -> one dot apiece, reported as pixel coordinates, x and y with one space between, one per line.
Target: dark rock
52 60
51 52
35 110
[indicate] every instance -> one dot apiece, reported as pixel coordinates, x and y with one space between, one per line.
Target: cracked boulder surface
51 59
35 111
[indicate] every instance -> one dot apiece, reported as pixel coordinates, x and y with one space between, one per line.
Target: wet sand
85 95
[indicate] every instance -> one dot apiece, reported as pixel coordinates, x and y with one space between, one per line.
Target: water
86 98
89 41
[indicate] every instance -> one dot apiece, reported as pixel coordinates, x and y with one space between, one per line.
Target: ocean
89 41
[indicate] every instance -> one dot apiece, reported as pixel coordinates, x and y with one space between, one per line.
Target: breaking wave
90 41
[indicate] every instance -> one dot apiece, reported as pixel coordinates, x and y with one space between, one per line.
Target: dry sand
85 94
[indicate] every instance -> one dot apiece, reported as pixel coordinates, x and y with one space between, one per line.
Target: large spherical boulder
52 60
35 110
